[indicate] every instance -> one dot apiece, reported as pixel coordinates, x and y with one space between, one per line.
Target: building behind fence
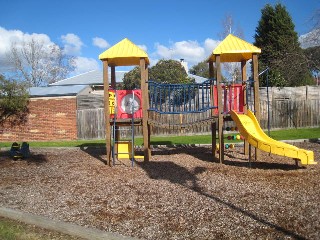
288 108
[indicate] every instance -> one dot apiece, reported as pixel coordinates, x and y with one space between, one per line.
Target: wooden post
113 77
256 94
249 156
214 138
116 128
145 106
245 108
211 69
107 110
220 109
213 125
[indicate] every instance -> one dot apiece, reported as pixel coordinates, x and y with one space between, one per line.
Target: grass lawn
288 134
14 230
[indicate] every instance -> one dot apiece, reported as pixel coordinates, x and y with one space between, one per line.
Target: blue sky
174 29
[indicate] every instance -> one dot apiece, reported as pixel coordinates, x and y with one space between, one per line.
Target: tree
132 79
38 64
316 19
165 71
229 28
169 71
313 55
13 101
201 69
232 70
281 51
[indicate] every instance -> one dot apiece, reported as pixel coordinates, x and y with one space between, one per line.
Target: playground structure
214 97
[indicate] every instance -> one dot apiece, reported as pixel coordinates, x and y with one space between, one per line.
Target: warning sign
112 102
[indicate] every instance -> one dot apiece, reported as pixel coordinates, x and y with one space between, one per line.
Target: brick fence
48 119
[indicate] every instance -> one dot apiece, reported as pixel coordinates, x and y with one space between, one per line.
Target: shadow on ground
95 150
98 151
31 159
177 174
205 154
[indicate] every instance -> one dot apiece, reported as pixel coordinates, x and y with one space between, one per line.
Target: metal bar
132 130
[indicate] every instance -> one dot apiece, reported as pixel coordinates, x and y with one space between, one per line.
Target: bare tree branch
232 70
38 64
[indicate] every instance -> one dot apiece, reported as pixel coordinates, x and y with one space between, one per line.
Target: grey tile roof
53 91
94 77
198 79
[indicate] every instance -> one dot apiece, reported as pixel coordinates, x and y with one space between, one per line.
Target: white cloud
191 51
210 45
84 64
100 43
163 51
72 44
143 47
17 37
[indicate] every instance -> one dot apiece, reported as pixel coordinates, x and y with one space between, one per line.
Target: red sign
128 102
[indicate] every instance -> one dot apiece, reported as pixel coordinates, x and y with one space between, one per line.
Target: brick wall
48 119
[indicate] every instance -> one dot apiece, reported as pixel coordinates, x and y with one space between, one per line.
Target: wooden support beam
145 107
244 78
220 109
211 69
256 86
256 94
107 110
214 138
114 86
113 77
213 125
211 75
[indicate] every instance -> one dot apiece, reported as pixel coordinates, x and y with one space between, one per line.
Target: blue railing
180 98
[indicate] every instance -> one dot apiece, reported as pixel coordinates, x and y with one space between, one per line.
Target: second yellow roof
234 49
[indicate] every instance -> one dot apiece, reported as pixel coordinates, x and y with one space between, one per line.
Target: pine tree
281 51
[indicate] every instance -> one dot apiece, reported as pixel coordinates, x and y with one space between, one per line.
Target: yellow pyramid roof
234 49
124 53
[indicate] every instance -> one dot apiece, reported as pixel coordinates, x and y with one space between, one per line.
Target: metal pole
268 102
132 130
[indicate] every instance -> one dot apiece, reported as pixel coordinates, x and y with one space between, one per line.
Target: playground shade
250 129
234 49
124 53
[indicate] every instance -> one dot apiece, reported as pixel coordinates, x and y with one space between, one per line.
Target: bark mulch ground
180 194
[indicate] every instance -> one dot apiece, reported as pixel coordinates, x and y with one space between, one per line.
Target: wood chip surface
182 193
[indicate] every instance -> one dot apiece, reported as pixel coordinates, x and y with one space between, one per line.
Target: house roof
234 49
198 79
124 53
55 91
94 77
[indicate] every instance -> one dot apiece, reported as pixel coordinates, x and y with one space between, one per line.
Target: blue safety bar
180 98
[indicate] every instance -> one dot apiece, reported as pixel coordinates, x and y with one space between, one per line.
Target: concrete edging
59 226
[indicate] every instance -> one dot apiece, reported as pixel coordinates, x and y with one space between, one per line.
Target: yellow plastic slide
250 129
